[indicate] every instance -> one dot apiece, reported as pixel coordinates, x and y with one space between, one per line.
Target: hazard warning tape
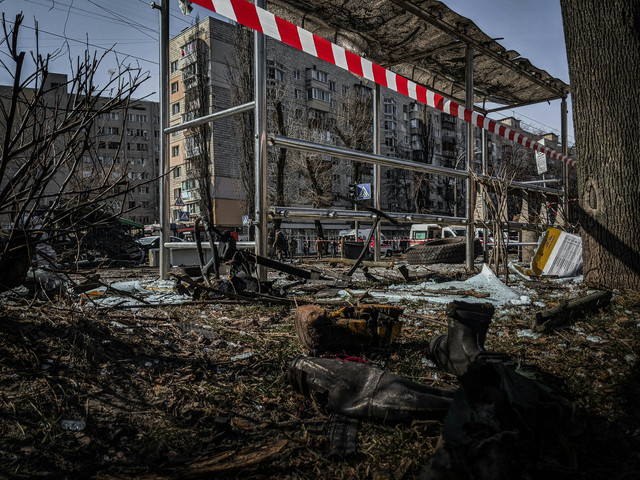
277 28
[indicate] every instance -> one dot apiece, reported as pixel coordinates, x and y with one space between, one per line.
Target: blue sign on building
183 216
364 191
245 221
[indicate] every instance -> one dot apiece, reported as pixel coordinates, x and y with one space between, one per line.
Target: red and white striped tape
275 27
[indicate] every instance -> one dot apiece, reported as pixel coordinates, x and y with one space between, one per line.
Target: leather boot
464 340
364 391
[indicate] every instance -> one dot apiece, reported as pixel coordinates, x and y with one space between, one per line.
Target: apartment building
122 149
315 95
129 141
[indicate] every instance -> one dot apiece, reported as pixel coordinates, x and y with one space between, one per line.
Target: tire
444 250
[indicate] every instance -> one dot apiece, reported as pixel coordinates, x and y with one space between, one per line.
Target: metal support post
164 140
483 191
260 89
376 168
565 151
469 149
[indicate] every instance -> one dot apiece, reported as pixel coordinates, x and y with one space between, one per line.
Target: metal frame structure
263 212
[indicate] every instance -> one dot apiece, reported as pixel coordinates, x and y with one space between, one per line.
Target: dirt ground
201 391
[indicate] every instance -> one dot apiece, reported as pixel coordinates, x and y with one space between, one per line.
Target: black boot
363 391
464 341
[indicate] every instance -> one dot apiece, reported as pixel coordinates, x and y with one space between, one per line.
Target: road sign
541 160
245 221
364 191
183 216
179 202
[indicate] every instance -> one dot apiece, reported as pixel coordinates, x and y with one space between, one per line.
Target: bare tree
49 173
422 181
240 78
353 124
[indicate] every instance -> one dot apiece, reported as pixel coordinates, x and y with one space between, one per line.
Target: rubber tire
443 250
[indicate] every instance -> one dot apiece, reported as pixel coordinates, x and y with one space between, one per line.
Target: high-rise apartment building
315 98
121 152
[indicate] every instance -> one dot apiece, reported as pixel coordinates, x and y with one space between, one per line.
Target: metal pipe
306 146
565 151
546 180
353 215
520 185
376 168
163 261
214 116
483 192
260 97
469 210
332 150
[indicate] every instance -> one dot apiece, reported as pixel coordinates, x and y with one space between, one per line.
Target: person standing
293 247
319 248
280 245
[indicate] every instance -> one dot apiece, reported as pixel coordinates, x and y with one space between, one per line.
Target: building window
297 94
317 94
319 75
174 66
345 89
177 172
296 74
175 151
175 108
174 87
332 85
275 71
390 106
177 193
132 204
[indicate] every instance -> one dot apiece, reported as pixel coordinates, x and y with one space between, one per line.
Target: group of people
284 248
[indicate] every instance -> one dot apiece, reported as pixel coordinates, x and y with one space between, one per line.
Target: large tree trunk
603 50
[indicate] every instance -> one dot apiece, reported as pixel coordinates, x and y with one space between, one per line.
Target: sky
130 28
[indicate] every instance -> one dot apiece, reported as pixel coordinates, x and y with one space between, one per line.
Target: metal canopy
424 41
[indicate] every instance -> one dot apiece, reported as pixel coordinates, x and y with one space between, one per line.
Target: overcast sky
534 29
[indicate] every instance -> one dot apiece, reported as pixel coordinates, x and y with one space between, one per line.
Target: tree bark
603 51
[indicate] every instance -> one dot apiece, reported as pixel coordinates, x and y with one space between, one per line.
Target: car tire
444 250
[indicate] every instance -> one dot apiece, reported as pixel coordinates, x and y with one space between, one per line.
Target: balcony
192 152
188 60
190 195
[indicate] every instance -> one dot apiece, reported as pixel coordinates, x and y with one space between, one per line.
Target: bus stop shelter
421 49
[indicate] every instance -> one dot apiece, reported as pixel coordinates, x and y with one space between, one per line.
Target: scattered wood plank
569 311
